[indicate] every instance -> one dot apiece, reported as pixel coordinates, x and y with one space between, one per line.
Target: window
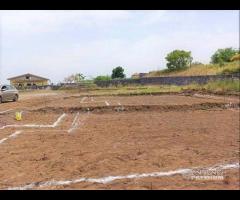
4 87
28 77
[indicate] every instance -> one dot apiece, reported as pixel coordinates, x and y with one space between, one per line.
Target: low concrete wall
170 80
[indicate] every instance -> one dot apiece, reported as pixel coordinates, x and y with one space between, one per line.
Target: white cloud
28 22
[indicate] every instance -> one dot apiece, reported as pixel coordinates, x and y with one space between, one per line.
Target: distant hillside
201 69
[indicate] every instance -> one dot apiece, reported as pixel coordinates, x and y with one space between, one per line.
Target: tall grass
226 85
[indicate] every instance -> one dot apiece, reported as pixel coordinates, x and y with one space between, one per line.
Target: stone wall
171 80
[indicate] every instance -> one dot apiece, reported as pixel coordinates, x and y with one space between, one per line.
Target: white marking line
94 102
207 96
107 103
11 136
237 110
2 112
82 100
109 179
212 97
74 123
35 125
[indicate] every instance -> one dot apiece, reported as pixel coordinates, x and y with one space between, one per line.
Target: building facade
28 80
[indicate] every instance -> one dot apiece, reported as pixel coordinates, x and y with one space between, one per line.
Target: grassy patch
196 70
227 85
214 86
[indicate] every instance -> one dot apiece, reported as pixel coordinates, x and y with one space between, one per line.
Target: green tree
178 59
223 55
102 78
118 72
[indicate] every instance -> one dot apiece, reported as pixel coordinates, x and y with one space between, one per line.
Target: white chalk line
109 179
213 97
107 103
74 123
35 125
6 111
74 126
235 110
15 134
94 102
82 100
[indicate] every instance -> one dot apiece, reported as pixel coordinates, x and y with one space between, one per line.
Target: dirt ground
67 141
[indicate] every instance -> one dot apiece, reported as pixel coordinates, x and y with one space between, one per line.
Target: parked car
8 93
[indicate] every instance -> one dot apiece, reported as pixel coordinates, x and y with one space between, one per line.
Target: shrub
102 78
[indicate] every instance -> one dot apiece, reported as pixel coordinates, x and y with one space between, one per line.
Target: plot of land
59 145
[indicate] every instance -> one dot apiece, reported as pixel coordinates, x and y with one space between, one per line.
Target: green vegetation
102 78
210 69
179 64
221 87
178 59
118 72
223 55
223 61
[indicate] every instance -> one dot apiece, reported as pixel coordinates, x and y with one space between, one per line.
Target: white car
8 93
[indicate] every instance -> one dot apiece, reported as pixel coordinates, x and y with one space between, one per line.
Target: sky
56 44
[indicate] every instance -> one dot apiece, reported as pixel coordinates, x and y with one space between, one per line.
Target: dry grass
200 70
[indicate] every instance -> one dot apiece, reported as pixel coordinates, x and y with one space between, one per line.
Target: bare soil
121 142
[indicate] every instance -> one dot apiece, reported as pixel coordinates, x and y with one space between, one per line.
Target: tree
118 72
78 77
102 78
74 78
223 55
178 59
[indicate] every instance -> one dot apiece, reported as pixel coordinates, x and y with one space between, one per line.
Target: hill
201 69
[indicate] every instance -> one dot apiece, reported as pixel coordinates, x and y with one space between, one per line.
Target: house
138 75
28 80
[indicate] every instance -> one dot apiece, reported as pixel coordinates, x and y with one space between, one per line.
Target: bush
102 78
